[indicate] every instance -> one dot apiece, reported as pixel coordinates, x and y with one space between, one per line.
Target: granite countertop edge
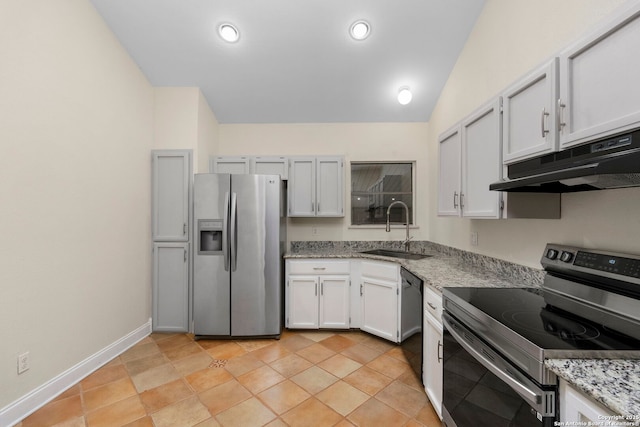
615 383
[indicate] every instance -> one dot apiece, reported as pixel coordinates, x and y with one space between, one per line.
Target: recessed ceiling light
229 33
404 95
360 30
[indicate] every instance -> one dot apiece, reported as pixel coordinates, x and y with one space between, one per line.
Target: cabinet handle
438 350
316 289
322 288
455 199
561 122
312 205
461 200
185 255
432 306
319 268
544 114
184 229
360 289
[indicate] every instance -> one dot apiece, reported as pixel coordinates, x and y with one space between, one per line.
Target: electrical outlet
23 362
474 238
314 230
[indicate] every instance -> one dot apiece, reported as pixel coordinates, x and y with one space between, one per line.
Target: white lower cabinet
380 297
380 308
317 294
334 302
432 363
170 287
303 308
576 407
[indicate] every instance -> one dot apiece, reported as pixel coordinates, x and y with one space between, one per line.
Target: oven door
481 388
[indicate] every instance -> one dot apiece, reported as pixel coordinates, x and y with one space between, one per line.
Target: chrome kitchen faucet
388 229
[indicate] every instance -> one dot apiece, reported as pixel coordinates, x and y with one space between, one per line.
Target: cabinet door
170 181
577 408
302 186
481 164
432 362
170 287
329 184
334 302
303 302
599 87
233 165
380 308
529 122
271 166
449 173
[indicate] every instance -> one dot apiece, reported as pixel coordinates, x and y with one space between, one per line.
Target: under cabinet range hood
609 163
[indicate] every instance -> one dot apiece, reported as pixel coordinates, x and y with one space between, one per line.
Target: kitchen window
375 185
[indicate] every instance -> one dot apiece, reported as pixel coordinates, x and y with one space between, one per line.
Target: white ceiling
295 61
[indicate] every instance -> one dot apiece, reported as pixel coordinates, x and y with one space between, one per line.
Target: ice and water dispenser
210 236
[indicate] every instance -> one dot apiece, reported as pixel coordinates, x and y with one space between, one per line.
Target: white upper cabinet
599 84
529 125
261 165
481 166
469 162
329 186
270 166
302 186
171 183
316 186
450 151
234 165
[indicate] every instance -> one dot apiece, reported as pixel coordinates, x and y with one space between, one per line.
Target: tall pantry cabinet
171 231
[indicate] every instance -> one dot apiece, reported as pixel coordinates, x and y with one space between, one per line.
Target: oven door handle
531 396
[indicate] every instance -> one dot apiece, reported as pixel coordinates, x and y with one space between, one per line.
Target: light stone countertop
440 270
613 382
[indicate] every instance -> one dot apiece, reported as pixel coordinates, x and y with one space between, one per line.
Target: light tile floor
304 379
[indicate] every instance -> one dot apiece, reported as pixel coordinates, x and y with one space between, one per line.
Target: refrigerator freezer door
256 282
211 278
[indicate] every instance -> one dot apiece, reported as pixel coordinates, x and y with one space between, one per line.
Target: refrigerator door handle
225 228
234 231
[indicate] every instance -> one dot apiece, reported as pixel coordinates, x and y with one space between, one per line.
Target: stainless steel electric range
496 339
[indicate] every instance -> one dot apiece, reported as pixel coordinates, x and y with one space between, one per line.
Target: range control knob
552 254
566 256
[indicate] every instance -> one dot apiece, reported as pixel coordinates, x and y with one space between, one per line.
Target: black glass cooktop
527 312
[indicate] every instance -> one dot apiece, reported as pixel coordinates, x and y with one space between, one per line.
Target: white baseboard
38 397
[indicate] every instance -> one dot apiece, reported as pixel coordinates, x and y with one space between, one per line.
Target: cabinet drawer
319 267
380 270
433 303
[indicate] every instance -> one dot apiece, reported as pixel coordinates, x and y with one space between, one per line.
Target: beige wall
208 135
355 141
510 38
76 128
183 120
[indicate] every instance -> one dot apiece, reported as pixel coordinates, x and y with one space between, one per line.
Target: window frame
413 216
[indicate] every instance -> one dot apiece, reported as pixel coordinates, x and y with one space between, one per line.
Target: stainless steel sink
395 254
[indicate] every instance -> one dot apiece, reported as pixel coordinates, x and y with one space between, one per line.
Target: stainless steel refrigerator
238 266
